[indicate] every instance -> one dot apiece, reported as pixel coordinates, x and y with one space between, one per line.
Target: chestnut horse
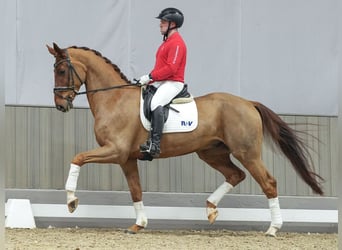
227 125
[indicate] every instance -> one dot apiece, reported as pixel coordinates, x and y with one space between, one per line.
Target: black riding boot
152 145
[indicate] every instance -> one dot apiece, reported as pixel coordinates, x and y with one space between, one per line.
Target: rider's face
164 25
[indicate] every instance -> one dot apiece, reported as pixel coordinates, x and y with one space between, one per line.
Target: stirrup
150 147
146 147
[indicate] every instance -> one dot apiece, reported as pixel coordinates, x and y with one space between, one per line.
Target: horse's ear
52 51
56 51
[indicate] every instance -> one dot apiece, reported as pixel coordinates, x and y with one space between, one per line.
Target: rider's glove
145 79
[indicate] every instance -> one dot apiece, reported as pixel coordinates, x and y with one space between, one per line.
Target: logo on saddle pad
182 117
186 123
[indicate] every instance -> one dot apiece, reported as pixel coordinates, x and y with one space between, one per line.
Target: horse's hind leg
269 186
218 158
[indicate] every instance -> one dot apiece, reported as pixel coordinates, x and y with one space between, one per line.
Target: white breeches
166 91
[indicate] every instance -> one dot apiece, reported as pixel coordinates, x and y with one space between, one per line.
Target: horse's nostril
60 108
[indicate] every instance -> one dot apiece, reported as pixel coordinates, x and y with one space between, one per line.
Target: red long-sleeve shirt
170 60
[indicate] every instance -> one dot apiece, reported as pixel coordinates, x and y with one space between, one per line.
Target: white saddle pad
184 121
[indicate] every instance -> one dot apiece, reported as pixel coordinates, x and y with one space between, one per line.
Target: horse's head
69 76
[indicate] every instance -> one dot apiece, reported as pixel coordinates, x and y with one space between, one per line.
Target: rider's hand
145 79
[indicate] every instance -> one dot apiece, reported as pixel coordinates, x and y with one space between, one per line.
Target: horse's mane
115 67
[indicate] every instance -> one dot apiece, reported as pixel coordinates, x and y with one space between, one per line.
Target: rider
167 75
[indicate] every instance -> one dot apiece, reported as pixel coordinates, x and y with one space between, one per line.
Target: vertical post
2 123
339 169
339 187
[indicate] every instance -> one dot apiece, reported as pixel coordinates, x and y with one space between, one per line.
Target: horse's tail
290 144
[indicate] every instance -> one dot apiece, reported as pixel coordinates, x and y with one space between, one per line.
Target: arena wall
42 141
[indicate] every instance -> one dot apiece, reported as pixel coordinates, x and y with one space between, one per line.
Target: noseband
71 82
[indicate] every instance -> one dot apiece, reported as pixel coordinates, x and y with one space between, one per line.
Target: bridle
71 82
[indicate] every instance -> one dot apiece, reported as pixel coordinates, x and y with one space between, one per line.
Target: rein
109 88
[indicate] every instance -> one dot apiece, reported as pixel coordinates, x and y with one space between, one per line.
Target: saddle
148 93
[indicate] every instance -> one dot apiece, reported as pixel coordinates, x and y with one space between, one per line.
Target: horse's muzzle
64 108
61 108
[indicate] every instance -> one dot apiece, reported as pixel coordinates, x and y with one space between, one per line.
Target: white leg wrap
140 214
71 182
71 196
276 218
216 197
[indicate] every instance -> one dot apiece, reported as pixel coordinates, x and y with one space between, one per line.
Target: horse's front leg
70 187
130 169
105 154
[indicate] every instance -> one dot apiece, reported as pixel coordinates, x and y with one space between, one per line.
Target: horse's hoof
72 204
271 231
133 229
212 214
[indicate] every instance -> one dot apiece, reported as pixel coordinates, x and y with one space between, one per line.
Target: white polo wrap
216 197
71 182
140 214
276 218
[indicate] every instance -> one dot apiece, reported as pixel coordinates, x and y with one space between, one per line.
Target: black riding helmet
171 15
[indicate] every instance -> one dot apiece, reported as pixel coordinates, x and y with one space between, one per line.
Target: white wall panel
87 23
289 55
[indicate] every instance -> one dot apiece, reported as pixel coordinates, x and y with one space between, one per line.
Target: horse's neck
101 75
103 100
110 105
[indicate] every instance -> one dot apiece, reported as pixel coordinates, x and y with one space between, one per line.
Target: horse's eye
61 72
